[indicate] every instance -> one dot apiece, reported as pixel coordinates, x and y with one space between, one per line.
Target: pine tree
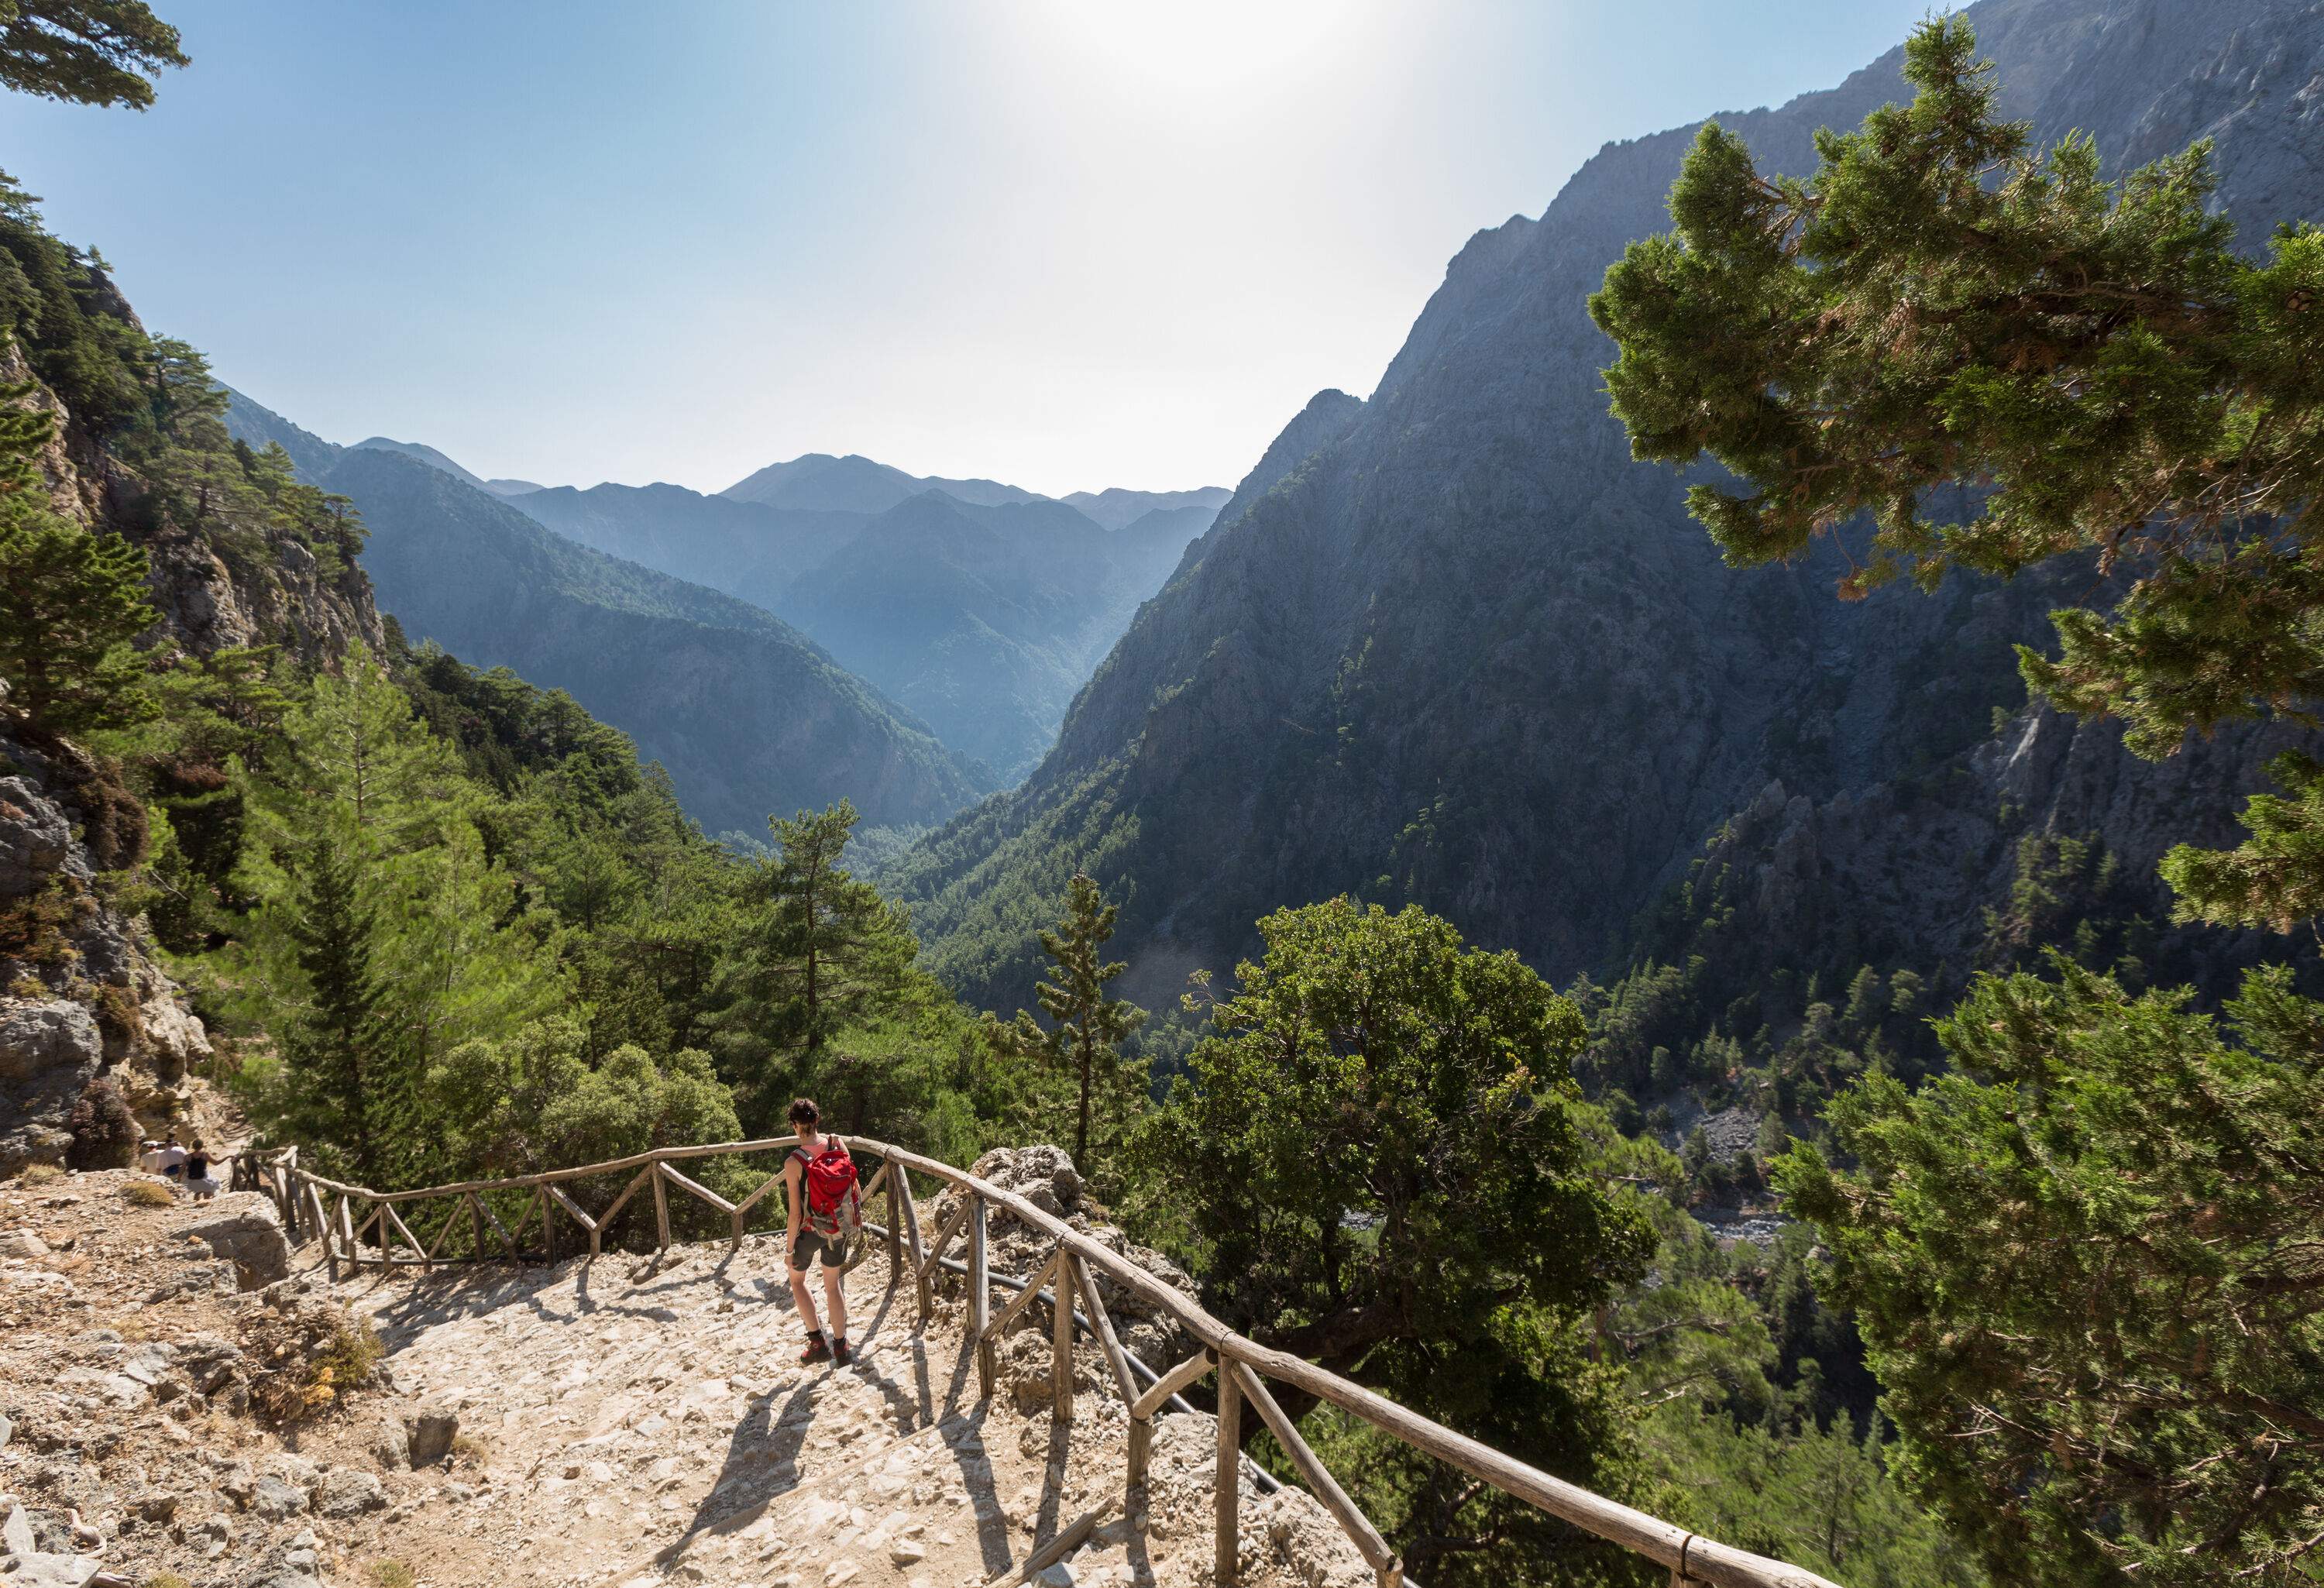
821 950
347 1087
1087 1029
69 601
1941 303
86 51
381 924
847 945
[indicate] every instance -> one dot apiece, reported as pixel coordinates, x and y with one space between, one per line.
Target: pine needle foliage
2089 1269
86 51
1942 303
1082 1040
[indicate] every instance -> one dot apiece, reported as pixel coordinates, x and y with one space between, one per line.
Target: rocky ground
625 1423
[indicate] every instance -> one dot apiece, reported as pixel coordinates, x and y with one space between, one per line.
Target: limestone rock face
49 1051
35 838
85 956
243 1228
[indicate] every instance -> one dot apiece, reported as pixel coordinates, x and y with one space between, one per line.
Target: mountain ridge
750 715
1451 646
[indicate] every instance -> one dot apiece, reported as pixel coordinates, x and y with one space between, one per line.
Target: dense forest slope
1451 645
748 715
982 618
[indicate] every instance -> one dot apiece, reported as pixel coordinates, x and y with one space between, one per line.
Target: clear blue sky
1064 244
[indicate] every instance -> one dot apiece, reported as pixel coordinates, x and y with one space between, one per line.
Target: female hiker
198 1179
826 1216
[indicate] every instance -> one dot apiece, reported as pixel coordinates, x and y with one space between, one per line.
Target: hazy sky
1067 245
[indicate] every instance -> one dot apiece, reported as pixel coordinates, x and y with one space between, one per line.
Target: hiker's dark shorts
814 1243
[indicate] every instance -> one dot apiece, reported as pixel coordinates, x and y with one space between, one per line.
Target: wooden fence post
1148 1406
1227 1544
1061 1337
903 1210
980 1302
661 1209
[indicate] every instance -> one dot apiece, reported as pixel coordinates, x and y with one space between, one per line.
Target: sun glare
1198 45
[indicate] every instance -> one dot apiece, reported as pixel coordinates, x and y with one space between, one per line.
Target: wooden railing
343 1216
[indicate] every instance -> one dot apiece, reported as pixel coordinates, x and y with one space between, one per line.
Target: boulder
244 1228
35 837
1042 1175
22 1244
50 1050
208 1362
347 1493
274 1499
428 1433
391 1446
45 1570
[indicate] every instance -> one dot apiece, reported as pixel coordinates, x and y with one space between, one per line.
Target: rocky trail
627 1423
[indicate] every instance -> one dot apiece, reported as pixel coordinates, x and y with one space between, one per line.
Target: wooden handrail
1686 1555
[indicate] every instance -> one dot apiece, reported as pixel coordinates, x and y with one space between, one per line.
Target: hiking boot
839 1351
817 1351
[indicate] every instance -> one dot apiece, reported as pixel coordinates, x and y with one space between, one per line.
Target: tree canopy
1941 303
1378 1156
70 602
2090 1272
86 51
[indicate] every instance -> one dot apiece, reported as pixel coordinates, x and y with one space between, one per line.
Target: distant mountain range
980 608
982 618
1116 509
857 485
750 717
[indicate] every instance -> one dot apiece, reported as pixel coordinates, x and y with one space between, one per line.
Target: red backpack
835 1198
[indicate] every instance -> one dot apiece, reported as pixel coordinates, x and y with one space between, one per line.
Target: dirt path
625 1424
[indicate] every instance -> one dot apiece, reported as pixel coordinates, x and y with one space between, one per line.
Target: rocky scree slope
1451 645
748 715
156 1363
630 1422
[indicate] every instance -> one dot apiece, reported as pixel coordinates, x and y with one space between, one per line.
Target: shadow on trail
763 1453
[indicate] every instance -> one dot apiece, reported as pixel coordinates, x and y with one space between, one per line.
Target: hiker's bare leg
838 1303
803 1299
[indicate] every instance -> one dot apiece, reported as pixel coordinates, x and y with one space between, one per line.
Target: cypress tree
346 1086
